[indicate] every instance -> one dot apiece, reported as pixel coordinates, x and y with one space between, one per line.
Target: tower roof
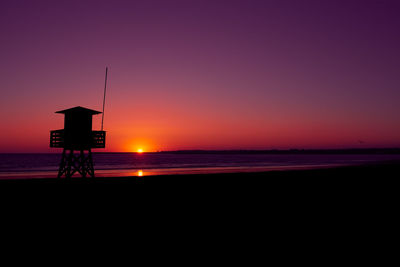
79 109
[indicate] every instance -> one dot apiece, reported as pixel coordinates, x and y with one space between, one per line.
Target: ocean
14 166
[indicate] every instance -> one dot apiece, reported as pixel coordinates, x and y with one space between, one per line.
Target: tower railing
98 139
57 139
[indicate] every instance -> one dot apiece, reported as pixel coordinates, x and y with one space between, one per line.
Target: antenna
104 99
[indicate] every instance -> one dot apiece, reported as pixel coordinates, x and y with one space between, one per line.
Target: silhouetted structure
77 135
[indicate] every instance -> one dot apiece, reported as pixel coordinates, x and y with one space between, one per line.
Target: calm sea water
128 164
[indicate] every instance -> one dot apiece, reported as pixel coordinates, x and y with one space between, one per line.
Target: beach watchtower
78 136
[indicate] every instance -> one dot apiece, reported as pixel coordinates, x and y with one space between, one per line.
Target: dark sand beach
340 177
337 197
330 203
367 186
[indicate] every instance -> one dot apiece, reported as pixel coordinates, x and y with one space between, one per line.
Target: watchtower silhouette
78 136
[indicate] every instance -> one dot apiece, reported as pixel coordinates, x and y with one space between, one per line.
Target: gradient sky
203 74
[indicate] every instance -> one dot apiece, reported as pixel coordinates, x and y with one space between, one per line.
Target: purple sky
203 74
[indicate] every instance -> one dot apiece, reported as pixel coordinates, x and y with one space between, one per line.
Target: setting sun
140 150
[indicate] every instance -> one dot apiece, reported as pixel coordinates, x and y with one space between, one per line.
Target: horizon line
231 150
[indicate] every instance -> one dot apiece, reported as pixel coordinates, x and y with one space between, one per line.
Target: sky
203 74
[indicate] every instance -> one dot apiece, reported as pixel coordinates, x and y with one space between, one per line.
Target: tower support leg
61 169
72 163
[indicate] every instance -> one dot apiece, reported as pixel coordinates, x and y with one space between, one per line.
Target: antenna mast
104 99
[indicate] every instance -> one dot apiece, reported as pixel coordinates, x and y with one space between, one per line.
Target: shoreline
389 169
104 173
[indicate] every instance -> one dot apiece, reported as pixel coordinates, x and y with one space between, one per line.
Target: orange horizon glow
207 133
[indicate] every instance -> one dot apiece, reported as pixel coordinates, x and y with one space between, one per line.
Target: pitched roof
79 109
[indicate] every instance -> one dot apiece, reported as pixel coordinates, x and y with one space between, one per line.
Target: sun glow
140 150
140 173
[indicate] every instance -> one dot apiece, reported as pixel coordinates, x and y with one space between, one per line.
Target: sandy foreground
331 200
